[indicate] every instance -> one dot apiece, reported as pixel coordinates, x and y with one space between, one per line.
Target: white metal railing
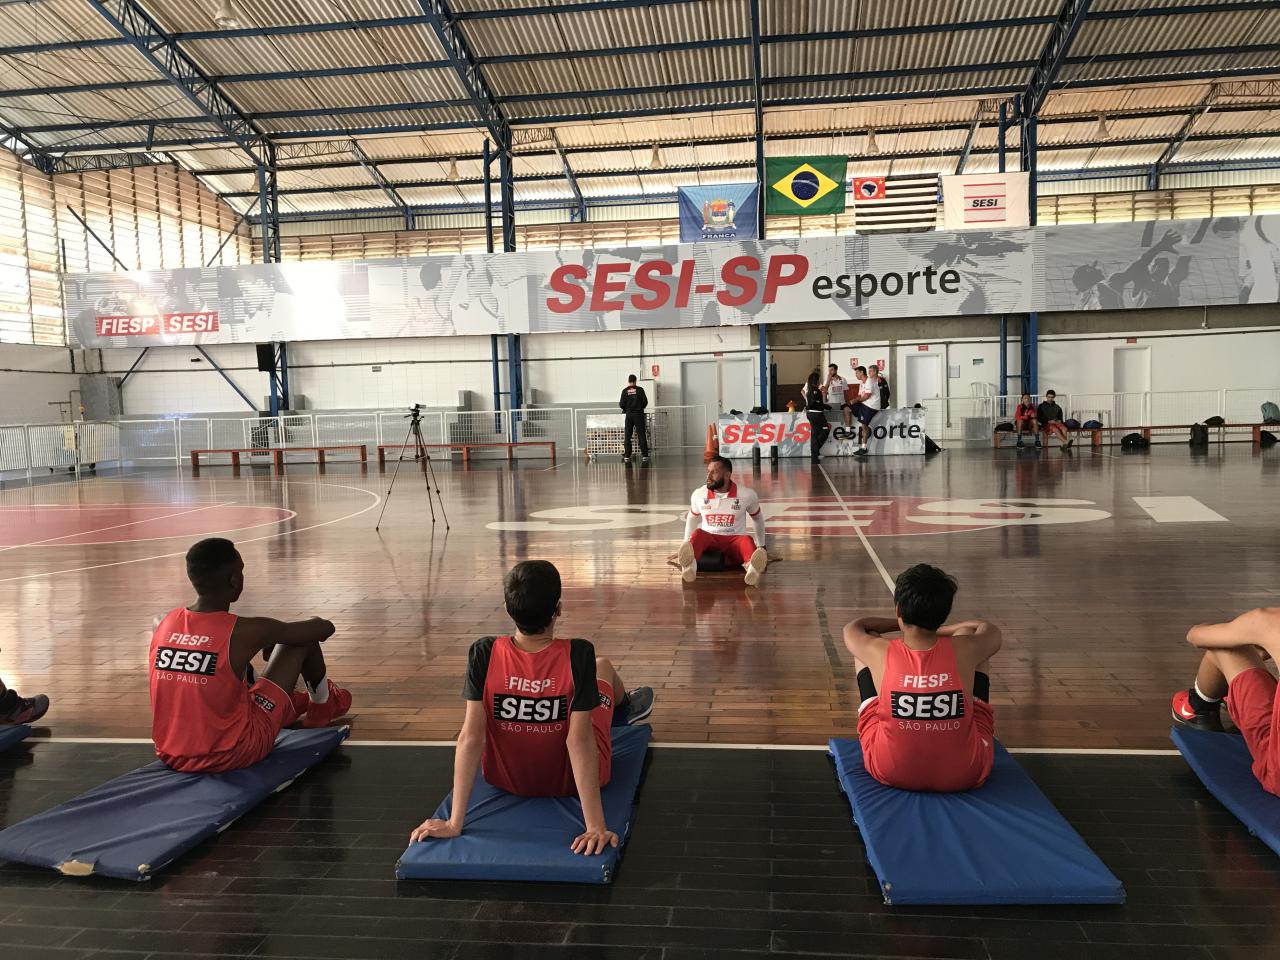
40 446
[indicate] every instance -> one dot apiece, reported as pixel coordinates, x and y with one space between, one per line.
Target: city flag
804 186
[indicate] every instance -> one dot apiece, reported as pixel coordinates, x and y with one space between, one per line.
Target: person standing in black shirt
633 403
816 410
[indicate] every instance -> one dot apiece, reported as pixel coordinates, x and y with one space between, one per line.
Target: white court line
117 526
377 499
1178 510
806 747
884 574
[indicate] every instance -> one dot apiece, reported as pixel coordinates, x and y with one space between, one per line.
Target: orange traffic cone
713 445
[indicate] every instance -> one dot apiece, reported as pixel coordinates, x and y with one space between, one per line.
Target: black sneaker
1185 715
644 461
31 709
640 701
626 459
1037 444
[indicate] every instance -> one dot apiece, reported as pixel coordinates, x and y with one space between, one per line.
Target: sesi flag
804 186
984 201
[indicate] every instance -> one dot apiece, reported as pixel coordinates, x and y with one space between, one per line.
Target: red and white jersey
724 512
199 705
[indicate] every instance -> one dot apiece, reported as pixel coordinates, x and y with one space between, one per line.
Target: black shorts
864 414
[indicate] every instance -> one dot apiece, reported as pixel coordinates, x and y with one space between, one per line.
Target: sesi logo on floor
831 517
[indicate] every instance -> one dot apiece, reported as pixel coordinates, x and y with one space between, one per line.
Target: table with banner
895 431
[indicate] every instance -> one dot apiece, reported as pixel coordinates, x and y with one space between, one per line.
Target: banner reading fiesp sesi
741 280
161 324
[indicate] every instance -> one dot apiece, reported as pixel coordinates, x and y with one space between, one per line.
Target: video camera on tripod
420 455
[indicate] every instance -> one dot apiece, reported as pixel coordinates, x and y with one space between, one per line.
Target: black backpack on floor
1199 435
930 446
1134 441
1214 422
1266 438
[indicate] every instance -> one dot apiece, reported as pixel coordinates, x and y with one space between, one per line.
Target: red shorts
1251 698
887 754
737 550
270 712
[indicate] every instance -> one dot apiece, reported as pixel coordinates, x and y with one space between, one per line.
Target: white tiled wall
31 379
590 368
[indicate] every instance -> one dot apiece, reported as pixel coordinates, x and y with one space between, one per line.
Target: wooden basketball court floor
736 853
1094 564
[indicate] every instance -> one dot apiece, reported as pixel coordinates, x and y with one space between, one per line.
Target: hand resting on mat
439 829
594 841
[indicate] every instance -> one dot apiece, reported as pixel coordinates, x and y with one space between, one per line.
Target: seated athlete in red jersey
1232 669
206 715
925 721
1024 419
539 709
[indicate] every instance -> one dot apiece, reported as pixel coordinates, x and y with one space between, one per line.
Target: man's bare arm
865 631
466 760
252 635
1255 628
584 758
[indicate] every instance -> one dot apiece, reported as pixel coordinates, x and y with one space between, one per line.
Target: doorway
924 378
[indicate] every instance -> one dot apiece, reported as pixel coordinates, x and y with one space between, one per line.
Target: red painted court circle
30 525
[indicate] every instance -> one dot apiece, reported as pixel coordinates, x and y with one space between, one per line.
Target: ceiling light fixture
453 170
225 16
1104 132
655 158
872 146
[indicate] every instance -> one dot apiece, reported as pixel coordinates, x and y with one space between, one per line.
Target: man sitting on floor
208 716
925 721
539 712
717 520
1232 670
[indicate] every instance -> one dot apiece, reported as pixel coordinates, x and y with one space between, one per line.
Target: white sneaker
688 562
756 566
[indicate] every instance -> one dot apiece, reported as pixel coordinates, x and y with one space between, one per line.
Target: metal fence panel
98 443
551 423
478 426
13 448
1245 406
393 427
673 428
1183 407
149 440
52 445
194 433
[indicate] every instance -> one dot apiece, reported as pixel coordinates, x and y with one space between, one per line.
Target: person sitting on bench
208 715
1232 670
925 721
1050 417
717 520
539 712
1024 419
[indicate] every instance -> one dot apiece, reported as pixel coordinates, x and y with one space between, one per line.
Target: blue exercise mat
137 824
13 734
1224 766
527 838
1002 843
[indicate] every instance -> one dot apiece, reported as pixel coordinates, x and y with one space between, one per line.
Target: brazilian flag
804 185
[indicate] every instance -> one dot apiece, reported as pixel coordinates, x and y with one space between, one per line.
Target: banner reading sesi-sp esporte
1110 266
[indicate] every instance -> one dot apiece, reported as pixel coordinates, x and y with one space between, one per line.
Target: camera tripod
420 455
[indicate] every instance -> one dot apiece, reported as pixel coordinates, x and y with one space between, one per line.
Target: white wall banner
935 274
985 201
895 431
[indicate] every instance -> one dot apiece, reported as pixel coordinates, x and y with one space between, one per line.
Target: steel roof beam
133 23
731 165
357 109
1181 137
379 180
1053 55
1045 122
458 51
281 30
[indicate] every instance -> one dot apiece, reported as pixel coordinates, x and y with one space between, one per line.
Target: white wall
31 378
590 368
